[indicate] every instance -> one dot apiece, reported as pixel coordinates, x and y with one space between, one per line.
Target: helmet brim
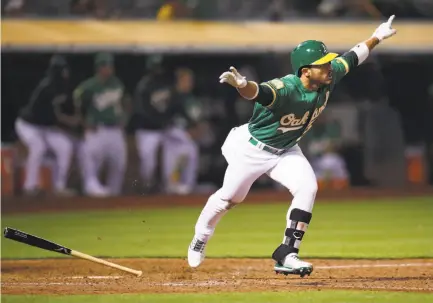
325 59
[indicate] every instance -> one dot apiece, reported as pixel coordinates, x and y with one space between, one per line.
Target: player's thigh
94 144
30 135
176 134
60 143
238 180
116 151
80 155
192 149
295 173
246 164
175 138
187 147
176 142
147 142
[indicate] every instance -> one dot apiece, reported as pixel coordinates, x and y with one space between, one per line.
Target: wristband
361 50
255 95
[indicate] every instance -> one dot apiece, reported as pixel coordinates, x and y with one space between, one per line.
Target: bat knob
6 231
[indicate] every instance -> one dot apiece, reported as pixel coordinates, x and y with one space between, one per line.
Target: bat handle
81 255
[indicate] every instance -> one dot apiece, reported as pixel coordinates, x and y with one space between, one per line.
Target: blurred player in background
101 100
181 152
38 127
322 143
152 115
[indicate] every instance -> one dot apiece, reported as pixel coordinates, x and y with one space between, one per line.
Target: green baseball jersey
282 123
101 101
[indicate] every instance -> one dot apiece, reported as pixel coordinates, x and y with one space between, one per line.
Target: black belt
268 148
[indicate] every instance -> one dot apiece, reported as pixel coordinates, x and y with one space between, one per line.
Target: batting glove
385 30
233 78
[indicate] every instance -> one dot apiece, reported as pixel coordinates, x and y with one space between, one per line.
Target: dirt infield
72 276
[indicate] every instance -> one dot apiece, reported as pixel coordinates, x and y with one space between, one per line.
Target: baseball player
322 144
285 109
38 127
152 100
181 152
100 99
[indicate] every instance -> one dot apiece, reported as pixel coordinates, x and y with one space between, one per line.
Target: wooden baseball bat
23 237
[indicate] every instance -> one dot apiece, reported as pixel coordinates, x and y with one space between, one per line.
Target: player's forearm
363 49
250 91
372 43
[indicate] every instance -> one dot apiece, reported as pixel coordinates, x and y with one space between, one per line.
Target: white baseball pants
246 163
105 144
39 140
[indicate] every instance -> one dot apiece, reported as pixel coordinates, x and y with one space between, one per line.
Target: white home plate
97 277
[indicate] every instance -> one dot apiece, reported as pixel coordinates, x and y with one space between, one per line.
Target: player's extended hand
385 30
233 78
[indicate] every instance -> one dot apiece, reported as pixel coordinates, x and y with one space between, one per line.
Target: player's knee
238 198
65 150
307 190
89 149
37 149
149 154
117 164
226 195
221 203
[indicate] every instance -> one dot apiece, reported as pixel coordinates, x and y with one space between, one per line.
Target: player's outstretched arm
247 89
360 52
384 31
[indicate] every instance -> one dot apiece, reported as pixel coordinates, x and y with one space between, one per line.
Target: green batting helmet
310 52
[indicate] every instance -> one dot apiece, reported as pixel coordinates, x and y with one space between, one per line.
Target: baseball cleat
292 265
196 252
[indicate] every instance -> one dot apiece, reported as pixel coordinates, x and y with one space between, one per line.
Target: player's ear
306 71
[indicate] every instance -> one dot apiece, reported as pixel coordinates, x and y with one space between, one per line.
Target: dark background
403 80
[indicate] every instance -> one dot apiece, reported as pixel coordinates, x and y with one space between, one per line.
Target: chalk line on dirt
374 265
198 283
96 277
41 284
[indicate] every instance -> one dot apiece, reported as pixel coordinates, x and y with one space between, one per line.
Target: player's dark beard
315 83
327 79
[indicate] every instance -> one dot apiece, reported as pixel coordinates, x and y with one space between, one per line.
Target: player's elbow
265 95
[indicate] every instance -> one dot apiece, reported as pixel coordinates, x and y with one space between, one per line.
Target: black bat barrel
20 236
